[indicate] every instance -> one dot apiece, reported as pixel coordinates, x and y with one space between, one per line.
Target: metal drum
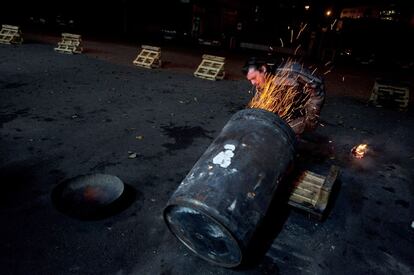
225 196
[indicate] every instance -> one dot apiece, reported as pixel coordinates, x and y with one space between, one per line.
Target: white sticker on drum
224 157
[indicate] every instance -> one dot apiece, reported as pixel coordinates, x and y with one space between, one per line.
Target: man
309 85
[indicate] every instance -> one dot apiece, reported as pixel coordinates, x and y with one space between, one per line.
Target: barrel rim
214 219
288 131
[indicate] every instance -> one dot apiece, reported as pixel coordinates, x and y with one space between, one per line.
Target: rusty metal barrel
220 203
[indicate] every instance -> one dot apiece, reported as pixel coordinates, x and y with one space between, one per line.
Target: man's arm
298 125
309 121
313 107
314 89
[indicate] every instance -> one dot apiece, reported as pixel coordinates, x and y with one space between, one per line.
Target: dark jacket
313 89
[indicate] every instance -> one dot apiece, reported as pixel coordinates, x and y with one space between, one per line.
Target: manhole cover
92 196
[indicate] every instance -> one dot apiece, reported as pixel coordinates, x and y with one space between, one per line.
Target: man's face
256 77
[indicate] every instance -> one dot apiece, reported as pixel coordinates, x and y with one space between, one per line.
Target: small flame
360 151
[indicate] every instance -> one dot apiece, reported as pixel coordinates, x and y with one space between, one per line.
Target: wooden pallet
10 35
311 192
70 44
390 95
149 57
211 67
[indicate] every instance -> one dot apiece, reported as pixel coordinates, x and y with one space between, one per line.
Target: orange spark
296 50
280 94
301 30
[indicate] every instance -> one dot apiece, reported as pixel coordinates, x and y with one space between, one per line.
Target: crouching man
308 85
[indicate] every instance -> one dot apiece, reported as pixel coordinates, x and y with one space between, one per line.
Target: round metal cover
203 235
89 196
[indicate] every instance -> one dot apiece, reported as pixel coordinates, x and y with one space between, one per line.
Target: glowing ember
280 94
359 151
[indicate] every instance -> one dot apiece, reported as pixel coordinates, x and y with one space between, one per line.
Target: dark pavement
63 116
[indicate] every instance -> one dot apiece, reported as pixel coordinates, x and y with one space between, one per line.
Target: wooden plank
69 44
152 48
7 34
10 27
61 50
324 195
314 176
311 192
331 178
71 35
210 76
209 63
213 57
65 48
205 74
300 198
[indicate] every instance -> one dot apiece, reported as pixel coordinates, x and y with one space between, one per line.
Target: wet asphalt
67 115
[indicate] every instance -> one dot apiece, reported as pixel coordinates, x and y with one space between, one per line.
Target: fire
280 94
360 150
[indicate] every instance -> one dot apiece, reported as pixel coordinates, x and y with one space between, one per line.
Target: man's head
256 76
256 70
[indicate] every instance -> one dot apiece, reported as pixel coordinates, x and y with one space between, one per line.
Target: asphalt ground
67 115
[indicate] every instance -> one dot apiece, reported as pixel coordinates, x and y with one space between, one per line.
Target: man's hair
257 64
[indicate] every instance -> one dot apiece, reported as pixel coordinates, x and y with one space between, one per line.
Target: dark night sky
77 7
135 17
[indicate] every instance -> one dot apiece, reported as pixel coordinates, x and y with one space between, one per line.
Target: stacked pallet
149 57
311 192
10 35
390 94
70 44
211 67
